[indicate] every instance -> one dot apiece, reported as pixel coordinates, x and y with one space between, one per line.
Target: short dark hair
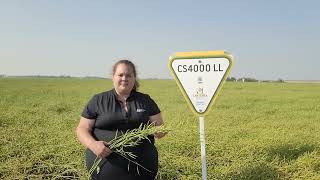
128 63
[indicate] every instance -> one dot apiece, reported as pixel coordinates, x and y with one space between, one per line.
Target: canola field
253 131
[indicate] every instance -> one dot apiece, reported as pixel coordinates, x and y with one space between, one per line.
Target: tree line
248 79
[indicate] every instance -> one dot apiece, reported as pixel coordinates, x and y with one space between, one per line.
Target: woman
120 109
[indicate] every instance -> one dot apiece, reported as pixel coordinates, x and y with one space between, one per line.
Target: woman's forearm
85 137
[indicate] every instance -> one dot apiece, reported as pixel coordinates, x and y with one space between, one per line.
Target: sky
269 39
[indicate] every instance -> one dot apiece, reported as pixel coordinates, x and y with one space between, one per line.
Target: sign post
200 76
203 148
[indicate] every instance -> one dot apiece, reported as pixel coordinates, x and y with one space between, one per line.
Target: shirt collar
132 93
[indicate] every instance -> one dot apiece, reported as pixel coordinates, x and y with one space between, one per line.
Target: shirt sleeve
153 107
90 111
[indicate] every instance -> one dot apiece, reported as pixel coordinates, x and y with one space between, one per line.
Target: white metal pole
203 148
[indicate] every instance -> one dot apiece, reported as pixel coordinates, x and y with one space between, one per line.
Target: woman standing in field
120 109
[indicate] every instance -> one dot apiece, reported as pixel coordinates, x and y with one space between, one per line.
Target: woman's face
123 79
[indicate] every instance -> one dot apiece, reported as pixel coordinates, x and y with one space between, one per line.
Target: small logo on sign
200 80
200 93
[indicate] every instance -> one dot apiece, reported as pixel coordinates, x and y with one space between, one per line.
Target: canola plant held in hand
130 138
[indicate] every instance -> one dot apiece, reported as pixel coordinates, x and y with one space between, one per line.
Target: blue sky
269 39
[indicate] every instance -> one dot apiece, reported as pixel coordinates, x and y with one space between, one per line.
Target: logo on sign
199 94
200 80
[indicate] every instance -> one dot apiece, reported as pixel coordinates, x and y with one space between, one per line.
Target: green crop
253 131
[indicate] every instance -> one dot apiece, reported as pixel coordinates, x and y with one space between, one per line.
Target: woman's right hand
100 149
84 129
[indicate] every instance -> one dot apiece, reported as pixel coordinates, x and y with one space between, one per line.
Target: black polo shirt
110 114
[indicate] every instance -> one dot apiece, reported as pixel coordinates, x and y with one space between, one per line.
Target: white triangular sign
200 79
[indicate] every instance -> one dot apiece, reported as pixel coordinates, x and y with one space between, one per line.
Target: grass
253 131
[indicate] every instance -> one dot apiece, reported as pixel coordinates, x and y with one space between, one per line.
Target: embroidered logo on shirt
141 110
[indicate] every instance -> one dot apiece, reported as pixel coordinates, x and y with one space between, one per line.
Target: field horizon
150 78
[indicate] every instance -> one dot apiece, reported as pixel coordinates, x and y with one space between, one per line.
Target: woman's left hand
159 135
